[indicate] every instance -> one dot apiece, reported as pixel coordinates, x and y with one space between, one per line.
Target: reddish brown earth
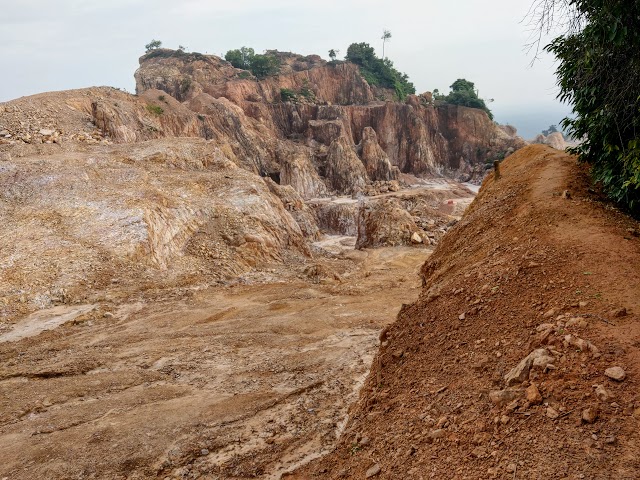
523 256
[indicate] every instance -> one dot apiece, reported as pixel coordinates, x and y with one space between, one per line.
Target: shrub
152 45
260 65
463 93
155 109
287 95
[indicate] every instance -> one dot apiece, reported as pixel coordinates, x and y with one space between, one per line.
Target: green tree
265 65
152 45
333 54
260 65
377 71
599 75
240 58
463 92
550 130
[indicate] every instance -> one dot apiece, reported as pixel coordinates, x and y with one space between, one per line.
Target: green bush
287 95
379 72
599 75
155 109
260 65
463 93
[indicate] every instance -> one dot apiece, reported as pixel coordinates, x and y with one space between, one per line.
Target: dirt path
239 382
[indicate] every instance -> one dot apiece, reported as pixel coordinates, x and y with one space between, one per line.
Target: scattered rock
602 394
532 394
416 238
520 372
373 471
619 312
503 397
616 373
462 316
590 415
552 413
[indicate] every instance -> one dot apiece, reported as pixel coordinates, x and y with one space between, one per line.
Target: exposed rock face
414 136
375 159
151 212
553 140
345 172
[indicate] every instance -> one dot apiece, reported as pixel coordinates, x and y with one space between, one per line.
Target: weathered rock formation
553 140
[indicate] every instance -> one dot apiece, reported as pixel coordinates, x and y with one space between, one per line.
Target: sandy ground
236 382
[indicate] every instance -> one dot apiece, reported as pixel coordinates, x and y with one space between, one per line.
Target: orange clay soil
528 267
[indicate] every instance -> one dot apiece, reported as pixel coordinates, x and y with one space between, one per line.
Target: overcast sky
63 44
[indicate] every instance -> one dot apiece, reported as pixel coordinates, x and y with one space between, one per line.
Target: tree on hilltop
260 65
463 92
379 72
152 45
386 35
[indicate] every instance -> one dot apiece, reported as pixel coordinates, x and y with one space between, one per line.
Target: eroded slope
528 269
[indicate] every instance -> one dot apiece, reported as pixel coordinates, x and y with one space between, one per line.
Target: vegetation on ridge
247 59
379 72
463 92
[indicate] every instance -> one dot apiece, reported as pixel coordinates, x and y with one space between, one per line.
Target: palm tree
386 35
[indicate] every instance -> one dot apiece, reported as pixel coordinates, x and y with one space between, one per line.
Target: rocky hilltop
209 169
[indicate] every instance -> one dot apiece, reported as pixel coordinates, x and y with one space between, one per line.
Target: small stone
616 373
365 441
590 415
566 194
479 452
462 316
46 132
532 394
550 313
520 372
416 238
552 413
439 433
511 468
504 419
373 471
583 304
610 440
619 312
204 452
503 397
602 394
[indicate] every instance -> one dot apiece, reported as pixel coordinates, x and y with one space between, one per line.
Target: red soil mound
529 267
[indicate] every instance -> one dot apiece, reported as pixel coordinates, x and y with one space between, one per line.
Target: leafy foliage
463 92
599 74
155 109
550 130
288 95
152 45
379 72
260 65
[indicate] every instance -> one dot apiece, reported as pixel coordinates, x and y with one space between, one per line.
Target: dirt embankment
539 265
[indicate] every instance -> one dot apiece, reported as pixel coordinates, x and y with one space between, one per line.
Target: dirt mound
506 365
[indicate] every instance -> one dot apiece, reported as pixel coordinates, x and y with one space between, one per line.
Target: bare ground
237 382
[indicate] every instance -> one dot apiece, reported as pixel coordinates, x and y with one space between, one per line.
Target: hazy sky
62 44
